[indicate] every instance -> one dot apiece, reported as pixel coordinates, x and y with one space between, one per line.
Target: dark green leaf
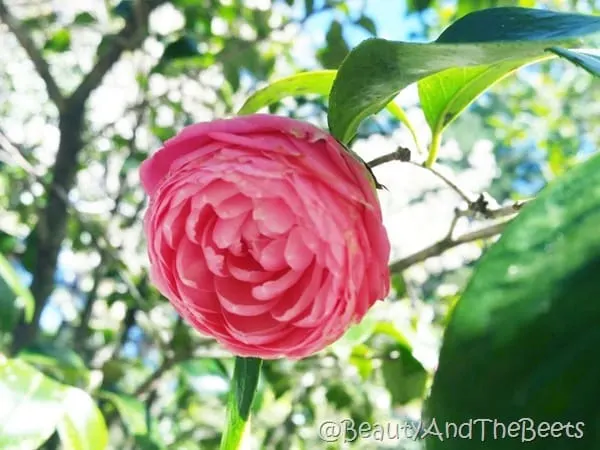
124 9
375 71
520 338
336 47
309 6
241 395
84 18
586 59
337 394
59 42
518 24
419 5
368 24
184 47
404 376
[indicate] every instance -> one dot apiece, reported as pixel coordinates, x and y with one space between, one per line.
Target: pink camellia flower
264 233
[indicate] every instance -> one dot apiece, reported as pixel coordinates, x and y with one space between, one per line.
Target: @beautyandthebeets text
483 429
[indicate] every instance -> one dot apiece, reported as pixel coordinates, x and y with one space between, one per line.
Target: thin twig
453 185
446 244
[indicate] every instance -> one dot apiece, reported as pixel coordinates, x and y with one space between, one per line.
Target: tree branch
40 64
50 231
130 37
445 244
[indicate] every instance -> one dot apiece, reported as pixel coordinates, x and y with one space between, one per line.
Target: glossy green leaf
304 83
446 94
377 69
520 339
59 42
131 411
586 59
13 291
82 426
243 387
31 405
318 82
404 376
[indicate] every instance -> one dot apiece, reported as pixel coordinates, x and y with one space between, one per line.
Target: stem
241 394
436 140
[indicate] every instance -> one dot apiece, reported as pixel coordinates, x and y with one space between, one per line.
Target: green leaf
131 411
309 6
13 290
84 18
419 5
184 47
446 94
586 59
317 82
82 426
404 376
368 24
399 285
336 47
31 406
243 387
65 365
124 9
377 69
520 338
59 42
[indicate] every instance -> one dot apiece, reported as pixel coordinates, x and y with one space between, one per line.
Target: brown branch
130 37
50 230
446 244
400 154
40 64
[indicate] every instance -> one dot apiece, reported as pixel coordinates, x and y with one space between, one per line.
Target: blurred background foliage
89 88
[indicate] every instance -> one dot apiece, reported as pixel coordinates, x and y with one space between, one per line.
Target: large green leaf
522 340
30 408
444 95
377 69
33 406
82 426
243 387
318 82
13 294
